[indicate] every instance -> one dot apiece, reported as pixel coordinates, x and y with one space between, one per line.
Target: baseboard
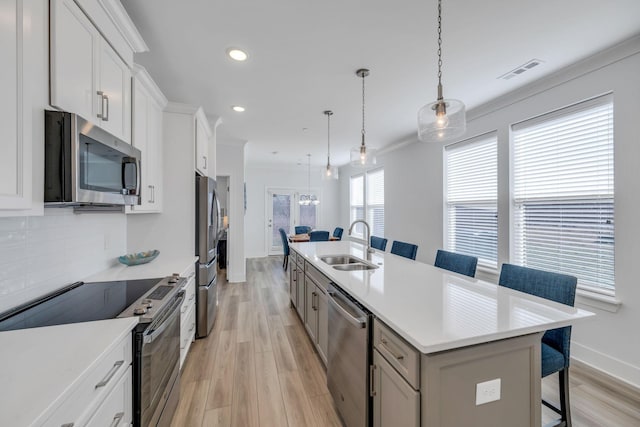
608 367
605 380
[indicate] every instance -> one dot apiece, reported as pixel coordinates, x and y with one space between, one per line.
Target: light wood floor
258 368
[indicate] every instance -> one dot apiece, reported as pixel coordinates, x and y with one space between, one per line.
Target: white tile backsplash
41 254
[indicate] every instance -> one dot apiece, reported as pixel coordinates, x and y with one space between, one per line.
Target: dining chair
285 248
338 233
302 229
407 250
379 243
319 236
555 342
458 263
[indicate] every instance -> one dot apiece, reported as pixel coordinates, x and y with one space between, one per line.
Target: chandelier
308 199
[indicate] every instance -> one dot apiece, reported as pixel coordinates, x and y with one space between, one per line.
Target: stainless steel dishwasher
348 358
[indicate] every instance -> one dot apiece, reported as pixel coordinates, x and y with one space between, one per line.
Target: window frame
357 232
561 200
491 137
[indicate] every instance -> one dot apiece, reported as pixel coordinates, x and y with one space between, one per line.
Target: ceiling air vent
521 69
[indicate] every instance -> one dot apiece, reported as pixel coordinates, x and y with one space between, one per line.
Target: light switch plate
488 391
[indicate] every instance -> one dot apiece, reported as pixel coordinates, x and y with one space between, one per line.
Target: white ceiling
303 56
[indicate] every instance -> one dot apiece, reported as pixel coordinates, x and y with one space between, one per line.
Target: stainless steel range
156 339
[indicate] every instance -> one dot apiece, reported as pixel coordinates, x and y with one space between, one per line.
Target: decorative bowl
139 258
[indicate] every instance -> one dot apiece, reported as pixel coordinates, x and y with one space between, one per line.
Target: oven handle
173 312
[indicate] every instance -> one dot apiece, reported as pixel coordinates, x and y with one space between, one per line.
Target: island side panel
449 378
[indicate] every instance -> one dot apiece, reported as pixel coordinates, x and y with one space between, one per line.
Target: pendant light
308 199
445 118
363 156
330 172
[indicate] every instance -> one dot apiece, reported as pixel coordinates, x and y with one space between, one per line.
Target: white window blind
471 192
375 201
563 193
356 202
366 200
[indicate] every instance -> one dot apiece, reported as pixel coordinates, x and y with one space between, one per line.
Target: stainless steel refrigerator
208 225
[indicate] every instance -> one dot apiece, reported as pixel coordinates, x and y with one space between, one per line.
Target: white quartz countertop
39 366
162 266
435 309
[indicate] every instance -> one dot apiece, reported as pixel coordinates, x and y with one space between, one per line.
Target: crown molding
124 24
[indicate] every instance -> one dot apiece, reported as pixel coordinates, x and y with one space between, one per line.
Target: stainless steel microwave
85 165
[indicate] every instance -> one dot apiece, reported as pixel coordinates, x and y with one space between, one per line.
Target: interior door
280 214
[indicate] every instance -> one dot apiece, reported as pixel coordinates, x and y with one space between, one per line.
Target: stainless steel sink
355 266
340 259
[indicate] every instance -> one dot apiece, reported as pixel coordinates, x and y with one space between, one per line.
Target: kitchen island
443 343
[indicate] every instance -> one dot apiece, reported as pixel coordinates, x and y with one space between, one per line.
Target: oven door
160 367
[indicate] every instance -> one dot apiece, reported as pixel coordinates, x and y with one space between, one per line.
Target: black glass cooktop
80 302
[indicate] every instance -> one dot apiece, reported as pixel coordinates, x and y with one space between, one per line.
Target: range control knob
147 302
173 279
139 311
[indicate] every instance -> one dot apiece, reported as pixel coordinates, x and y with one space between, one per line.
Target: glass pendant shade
446 118
330 172
363 156
441 120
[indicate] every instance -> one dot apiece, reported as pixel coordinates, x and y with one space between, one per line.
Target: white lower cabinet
103 384
116 410
188 313
395 402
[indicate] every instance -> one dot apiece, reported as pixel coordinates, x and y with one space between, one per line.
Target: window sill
597 300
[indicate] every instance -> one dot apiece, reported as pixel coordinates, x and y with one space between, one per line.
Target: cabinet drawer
187 327
399 353
95 385
189 296
116 410
320 279
293 256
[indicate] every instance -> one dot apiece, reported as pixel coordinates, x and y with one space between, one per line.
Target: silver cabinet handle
192 297
385 342
67 425
101 113
150 193
205 162
116 419
193 325
110 374
372 386
184 309
106 97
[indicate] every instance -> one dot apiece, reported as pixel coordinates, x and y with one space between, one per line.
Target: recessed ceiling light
237 108
237 54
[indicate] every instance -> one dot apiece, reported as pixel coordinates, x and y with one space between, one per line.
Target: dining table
304 237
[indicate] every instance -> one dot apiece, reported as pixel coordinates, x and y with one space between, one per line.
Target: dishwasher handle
352 314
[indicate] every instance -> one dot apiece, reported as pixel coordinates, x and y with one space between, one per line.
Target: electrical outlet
488 391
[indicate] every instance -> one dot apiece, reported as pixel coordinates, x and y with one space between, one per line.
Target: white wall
39 254
295 177
230 160
414 187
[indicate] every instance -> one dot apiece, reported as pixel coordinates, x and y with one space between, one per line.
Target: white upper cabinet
87 75
23 88
148 103
203 134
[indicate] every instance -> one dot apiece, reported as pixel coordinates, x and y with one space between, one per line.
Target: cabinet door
21 119
114 104
293 285
300 292
155 146
73 48
116 409
202 147
322 308
140 128
395 402
311 314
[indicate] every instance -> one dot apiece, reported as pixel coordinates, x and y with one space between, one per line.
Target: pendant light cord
328 113
363 76
439 42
